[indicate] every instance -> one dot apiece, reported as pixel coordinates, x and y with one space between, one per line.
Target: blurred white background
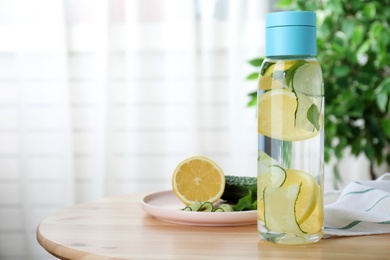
104 97
101 97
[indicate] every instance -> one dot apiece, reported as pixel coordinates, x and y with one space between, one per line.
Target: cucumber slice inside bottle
271 174
279 209
307 85
308 79
294 207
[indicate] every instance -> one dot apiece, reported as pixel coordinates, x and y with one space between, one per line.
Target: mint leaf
313 115
253 76
256 62
265 67
248 202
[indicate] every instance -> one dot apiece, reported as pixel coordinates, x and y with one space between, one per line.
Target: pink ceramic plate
166 206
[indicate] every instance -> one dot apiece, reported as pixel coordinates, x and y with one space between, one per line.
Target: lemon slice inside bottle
273 76
307 197
290 208
277 117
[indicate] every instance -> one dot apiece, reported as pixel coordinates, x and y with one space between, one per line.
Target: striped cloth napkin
362 208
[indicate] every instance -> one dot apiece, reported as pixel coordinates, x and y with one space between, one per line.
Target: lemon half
198 178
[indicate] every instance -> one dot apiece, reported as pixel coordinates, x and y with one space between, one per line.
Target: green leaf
326 155
253 76
284 3
382 94
357 36
343 142
369 151
265 67
253 99
357 5
376 30
340 38
249 202
381 100
336 6
313 115
331 129
369 10
339 50
364 47
341 71
348 26
256 62
386 127
356 146
338 151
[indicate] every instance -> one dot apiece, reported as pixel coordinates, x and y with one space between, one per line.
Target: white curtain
101 97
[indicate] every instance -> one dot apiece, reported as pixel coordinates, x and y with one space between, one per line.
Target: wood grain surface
118 228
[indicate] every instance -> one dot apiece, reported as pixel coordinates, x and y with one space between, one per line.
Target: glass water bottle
290 108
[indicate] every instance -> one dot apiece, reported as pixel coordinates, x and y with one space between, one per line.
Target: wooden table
118 228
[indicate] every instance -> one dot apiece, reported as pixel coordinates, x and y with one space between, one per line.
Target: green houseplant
353 43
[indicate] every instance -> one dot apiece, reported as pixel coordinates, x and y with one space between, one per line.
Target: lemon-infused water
290 105
290 156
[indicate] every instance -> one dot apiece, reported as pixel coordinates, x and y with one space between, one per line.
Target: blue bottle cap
291 33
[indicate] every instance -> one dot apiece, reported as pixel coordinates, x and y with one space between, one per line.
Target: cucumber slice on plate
193 207
206 207
224 208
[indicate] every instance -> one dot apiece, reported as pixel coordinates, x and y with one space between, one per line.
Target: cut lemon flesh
267 82
309 189
315 220
295 207
198 178
276 116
